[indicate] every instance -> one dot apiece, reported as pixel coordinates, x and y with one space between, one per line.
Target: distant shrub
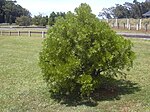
23 21
80 51
40 20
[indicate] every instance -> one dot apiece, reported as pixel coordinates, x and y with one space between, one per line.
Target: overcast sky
45 7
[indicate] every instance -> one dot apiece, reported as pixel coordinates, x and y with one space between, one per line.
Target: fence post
127 23
129 27
113 25
140 26
1 33
124 25
116 22
137 26
9 33
118 25
29 33
43 34
107 20
18 33
146 27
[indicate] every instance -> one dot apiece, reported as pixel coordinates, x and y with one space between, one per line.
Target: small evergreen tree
80 51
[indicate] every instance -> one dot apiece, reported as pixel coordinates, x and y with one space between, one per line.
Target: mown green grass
131 31
22 87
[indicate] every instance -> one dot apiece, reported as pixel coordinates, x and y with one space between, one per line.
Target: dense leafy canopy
23 21
40 20
80 50
127 10
9 11
45 20
53 16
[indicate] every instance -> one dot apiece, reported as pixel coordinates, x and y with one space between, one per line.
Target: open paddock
22 87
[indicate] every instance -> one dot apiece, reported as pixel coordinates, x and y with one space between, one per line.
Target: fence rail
23 33
130 24
43 33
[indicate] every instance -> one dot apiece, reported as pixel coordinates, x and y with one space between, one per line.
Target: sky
45 7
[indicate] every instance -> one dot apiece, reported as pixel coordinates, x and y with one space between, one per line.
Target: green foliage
127 10
40 20
9 11
23 21
53 16
80 51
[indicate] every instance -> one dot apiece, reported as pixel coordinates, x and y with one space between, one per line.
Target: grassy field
22 88
131 31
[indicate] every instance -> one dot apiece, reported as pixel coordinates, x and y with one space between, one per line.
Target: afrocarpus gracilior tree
80 51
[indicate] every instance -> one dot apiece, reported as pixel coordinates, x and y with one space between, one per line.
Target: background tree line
127 10
45 20
39 20
9 11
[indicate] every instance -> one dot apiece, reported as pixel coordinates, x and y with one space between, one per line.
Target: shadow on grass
108 92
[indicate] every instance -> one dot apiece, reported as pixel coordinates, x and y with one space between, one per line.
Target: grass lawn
132 31
22 88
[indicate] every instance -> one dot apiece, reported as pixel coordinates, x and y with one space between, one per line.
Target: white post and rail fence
42 34
130 24
23 33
